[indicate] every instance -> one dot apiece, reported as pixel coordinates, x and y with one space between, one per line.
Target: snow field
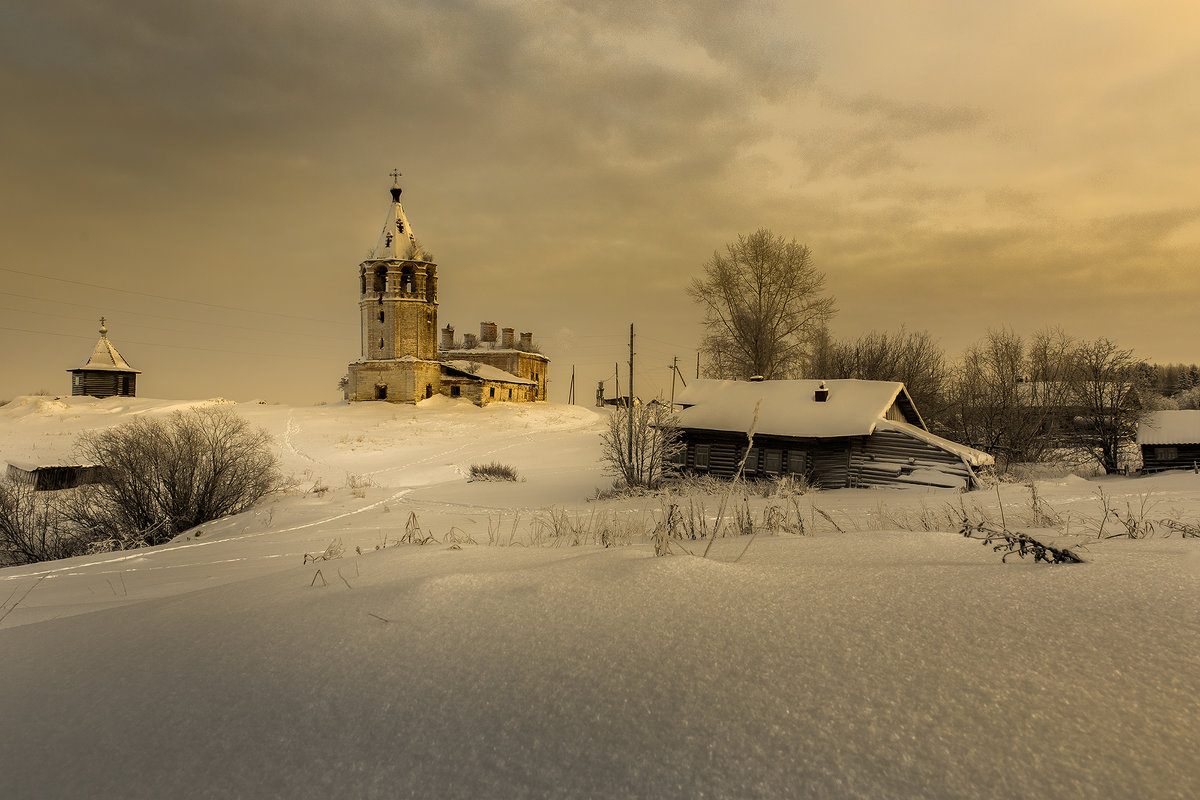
870 663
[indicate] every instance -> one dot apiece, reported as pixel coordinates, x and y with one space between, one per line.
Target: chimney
469 341
508 336
448 337
527 341
487 332
821 395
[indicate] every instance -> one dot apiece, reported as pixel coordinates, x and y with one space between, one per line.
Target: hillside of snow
868 658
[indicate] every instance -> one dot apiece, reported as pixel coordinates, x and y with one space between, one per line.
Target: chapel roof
105 357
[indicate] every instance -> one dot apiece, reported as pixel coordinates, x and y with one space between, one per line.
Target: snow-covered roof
790 408
105 357
976 458
485 372
396 240
1170 427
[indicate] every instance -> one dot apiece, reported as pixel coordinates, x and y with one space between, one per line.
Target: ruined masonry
403 360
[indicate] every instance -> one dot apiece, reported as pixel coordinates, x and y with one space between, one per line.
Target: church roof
105 357
396 240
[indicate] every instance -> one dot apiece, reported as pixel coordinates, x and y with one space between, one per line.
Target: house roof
790 408
397 242
976 458
485 372
1169 427
105 357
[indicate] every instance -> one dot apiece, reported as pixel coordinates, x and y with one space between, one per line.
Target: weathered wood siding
1157 457
885 458
103 383
890 458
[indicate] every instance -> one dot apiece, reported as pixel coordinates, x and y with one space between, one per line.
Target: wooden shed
47 477
1169 440
105 373
838 433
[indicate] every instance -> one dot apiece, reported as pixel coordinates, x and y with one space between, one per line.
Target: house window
751 461
455 391
796 462
428 390
701 461
1166 453
492 392
774 461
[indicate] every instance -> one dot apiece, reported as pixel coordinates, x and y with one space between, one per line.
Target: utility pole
631 397
697 365
617 372
571 394
675 372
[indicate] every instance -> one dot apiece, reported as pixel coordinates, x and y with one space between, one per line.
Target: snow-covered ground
862 660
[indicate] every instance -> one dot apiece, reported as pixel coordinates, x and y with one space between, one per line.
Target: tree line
1019 398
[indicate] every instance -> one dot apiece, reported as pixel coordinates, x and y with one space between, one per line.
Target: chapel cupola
105 373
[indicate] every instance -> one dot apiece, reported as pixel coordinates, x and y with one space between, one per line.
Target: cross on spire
395 176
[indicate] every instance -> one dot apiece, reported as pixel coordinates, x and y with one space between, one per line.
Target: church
403 359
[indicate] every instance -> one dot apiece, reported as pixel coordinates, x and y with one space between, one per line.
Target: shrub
32 527
493 472
166 475
655 445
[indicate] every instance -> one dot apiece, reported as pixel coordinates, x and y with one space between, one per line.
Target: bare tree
912 357
1011 399
763 303
32 527
167 475
656 444
1107 382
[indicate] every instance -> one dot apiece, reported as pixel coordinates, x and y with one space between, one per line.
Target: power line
166 297
125 311
169 346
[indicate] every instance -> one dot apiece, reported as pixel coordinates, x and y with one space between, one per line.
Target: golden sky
209 175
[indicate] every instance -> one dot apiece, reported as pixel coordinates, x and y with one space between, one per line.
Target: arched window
380 284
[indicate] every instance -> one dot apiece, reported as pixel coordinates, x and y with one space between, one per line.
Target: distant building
105 373
837 433
1169 440
401 361
48 477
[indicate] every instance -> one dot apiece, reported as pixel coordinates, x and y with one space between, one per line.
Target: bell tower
398 314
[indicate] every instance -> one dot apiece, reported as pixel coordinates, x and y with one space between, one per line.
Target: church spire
397 240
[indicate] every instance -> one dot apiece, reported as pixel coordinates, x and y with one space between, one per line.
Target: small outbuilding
48 477
837 433
1169 440
106 373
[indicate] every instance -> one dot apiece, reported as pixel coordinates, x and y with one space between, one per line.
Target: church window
381 316
400 225
380 342
380 284
406 279
388 240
